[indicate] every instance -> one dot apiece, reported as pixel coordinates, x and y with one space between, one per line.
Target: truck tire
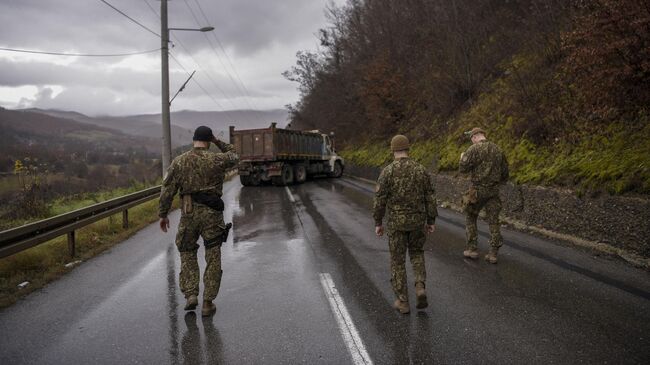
338 170
299 174
285 178
249 180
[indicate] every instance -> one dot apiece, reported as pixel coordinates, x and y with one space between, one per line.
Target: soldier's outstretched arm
228 156
466 161
381 198
430 199
168 190
223 146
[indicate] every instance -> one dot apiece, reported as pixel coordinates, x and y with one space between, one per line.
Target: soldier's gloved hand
379 230
164 224
431 228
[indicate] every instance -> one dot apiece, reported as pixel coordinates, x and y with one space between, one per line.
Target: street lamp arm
204 29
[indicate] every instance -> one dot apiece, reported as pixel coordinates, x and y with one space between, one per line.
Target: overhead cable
198 4
202 88
78 54
237 85
131 19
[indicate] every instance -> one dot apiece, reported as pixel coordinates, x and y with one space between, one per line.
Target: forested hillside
44 159
562 85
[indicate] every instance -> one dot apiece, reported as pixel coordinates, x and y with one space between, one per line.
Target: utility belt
211 200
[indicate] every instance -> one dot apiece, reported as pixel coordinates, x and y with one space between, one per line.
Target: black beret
203 133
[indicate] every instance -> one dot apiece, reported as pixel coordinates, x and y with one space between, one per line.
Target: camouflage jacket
406 191
486 164
196 170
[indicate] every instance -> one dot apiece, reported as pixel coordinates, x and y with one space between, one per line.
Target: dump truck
283 156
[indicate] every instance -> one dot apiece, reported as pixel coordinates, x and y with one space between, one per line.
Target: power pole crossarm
182 87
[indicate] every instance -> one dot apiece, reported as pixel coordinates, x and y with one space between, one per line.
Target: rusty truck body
282 156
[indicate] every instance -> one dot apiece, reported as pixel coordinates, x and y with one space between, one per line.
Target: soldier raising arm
488 169
198 176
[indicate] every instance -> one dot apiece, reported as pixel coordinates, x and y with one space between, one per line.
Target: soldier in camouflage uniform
406 191
198 175
488 168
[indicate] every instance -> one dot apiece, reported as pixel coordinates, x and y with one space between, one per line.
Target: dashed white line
346 326
293 200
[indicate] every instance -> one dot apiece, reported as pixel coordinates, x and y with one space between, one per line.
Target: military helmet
399 143
474 131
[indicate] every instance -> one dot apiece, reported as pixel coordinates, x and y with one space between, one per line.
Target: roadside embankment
32 269
616 225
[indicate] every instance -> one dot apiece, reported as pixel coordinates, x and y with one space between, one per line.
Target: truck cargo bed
276 144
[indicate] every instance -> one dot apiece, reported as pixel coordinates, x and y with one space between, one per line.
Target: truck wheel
299 174
249 180
285 178
338 170
245 180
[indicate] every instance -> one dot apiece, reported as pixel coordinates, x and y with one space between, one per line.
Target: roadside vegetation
46 262
561 85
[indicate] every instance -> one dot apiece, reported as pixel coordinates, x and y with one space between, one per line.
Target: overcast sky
260 38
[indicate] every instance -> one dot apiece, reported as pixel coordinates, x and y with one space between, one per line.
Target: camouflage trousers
400 242
473 202
208 224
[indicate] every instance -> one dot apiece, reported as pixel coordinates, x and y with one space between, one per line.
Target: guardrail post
71 243
125 218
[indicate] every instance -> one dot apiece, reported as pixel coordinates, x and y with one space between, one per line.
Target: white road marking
346 326
293 200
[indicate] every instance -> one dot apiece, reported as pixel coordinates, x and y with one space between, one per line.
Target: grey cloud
260 36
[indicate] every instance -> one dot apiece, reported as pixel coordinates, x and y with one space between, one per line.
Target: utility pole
164 62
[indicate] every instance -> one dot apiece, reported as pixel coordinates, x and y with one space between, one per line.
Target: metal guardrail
21 238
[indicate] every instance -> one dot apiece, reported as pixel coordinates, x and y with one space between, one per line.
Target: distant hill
31 134
126 125
183 122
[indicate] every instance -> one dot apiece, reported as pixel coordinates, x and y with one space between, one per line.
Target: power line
152 9
131 19
219 58
78 54
202 88
207 74
224 51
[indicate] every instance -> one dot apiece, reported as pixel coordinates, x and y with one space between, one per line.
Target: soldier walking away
406 191
488 169
198 176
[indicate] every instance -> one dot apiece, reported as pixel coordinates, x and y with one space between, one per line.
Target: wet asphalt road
543 303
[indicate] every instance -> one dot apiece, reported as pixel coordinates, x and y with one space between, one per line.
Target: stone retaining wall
619 222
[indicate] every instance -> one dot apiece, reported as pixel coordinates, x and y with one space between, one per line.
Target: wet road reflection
172 302
534 306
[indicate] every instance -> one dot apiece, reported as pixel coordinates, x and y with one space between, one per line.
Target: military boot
402 306
208 308
491 257
191 303
471 253
421 296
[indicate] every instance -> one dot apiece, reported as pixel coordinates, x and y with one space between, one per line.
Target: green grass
73 202
613 157
614 161
78 201
44 263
